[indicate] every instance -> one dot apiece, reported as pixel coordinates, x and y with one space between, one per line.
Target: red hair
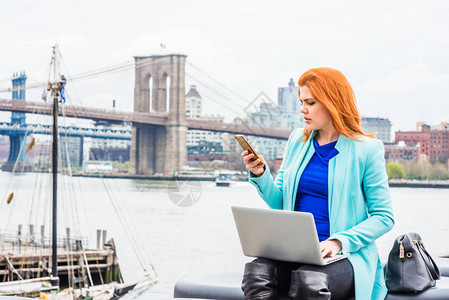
332 89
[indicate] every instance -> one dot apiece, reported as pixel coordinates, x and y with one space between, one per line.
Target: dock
29 260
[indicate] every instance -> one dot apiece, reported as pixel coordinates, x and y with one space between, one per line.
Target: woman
337 172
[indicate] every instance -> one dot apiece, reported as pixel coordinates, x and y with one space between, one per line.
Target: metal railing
37 240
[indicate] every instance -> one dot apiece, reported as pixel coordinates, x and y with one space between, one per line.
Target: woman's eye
311 103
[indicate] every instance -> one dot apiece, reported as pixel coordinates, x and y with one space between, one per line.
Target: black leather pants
266 279
259 280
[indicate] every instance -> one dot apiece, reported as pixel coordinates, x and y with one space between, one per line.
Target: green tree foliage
121 167
395 171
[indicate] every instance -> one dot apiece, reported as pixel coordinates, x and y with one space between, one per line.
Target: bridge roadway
71 131
152 118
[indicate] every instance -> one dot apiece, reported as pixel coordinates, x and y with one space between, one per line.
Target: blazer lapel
299 164
337 179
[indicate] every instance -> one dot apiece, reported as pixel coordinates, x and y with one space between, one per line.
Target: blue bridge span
10 129
18 130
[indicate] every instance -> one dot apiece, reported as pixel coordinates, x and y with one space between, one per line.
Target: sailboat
60 267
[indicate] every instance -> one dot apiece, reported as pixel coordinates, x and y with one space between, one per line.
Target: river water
178 239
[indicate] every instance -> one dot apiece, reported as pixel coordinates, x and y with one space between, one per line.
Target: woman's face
316 116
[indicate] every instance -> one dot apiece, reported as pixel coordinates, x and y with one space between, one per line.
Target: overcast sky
395 53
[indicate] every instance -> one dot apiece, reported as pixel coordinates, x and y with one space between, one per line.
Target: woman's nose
302 110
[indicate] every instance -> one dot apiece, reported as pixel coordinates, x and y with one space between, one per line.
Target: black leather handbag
410 268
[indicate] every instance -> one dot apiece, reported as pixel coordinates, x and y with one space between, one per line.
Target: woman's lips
307 120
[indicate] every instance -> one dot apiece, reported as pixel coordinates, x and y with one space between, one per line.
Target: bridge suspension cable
130 64
237 107
247 103
218 82
216 92
125 66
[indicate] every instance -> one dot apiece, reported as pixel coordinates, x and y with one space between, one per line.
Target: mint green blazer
360 209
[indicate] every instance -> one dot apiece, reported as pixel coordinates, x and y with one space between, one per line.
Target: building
268 115
71 150
401 152
441 126
194 104
432 143
40 155
288 102
111 143
194 110
229 142
380 125
98 167
4 148
206 151
109 154
109 149
285 115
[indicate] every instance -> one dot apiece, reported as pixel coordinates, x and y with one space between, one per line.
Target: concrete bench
226 286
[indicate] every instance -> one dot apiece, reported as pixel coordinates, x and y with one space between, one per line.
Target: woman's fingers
247 158
324 252
255 169
330 248
250 161
256 166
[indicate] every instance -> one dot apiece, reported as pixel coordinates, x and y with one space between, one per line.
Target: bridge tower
17 140
159 88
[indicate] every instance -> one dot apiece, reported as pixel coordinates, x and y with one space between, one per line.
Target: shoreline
392 183
442 184
146 177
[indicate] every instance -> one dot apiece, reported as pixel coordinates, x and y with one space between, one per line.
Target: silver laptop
280 235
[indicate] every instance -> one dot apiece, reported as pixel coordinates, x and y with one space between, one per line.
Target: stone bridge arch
159 149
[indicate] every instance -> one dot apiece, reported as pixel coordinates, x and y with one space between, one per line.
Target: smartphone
246 146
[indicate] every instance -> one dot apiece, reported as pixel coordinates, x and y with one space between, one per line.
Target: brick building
432 142
400 152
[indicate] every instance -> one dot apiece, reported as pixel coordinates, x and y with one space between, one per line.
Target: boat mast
55 86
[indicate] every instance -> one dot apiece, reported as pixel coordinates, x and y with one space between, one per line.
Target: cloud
406 95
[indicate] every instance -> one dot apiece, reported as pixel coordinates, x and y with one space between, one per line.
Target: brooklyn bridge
159 122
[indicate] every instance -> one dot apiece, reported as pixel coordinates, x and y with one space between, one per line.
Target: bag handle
431 265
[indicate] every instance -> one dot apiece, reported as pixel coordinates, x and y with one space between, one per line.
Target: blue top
312 195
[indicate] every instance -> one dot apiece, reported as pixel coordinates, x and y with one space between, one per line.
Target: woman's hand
330 247
257 167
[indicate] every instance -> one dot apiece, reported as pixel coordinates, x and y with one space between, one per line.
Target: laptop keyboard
329 260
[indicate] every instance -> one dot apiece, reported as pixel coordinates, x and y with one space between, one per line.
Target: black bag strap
431 265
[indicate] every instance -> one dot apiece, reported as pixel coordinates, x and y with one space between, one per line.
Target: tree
395 171
438 172
415 170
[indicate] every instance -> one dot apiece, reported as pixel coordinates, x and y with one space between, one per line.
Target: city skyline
253 108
